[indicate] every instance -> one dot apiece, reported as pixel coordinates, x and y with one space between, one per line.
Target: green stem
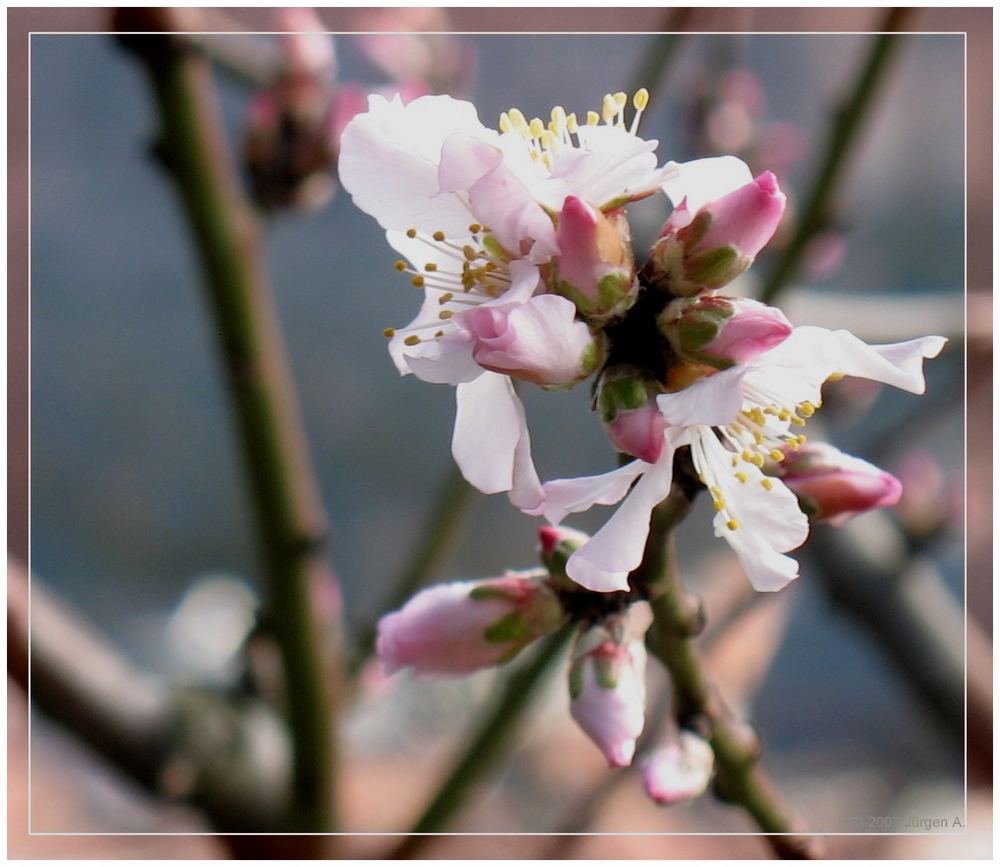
678 617
487 743
846 125
290 522
438 537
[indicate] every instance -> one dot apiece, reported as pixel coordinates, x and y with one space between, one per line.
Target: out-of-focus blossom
931 500
721 331
834 487
607 683
420 49
679 771
823 255
734 421
461 627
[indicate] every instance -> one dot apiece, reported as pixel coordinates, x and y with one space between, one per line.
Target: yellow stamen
836 377
412 340
418 282
742 477
412 233
446 314
389 332
431 266
537 127
806 409
444 299
470 253
767 484
718 505
571 124
475 228
777 455
400 265
733 524
593 118
641 99
505 123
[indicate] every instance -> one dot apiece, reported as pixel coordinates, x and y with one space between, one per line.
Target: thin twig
678 618
438 537
846 125
290 523
486 745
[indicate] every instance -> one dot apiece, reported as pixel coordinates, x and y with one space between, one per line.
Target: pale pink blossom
306 46
734 421
463 626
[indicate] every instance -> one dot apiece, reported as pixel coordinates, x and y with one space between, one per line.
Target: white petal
812 354
766 568
603 563
447 359
389 159
713 400
526 490
564 496
701 182
487 432
772 515
612 165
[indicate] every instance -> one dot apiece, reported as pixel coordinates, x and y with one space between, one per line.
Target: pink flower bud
595 267
679 771
540 341
557 545
607 684
458 628
834 487
626 401
709 249
719 331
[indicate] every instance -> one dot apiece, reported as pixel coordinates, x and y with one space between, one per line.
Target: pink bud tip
549 537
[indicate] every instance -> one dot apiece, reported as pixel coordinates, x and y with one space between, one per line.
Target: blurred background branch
290 523
845 127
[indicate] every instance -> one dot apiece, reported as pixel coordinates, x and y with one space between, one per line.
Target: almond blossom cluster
518 240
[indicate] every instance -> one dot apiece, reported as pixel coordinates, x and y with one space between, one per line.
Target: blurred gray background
136 490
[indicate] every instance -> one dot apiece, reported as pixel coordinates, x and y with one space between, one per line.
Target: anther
412 340
389 332
470 253
742 477
536 127
641 99
593 118
718 505
475 228
438 235
777 455
767 484
806 409
400 265
418 282
411 233
431 266
446 314
733 524
444 299
571 125
505 122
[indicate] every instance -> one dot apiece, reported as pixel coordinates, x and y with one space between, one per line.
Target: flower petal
766 568
603 563
389 158
490 443
713 400
564 496
700 182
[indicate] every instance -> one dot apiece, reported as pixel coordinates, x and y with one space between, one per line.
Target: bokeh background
136 491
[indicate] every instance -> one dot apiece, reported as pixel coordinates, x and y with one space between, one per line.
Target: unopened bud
557 546
722 331
626 402
594 269
834 487
607 683
680 771
707 250
463 626
540 341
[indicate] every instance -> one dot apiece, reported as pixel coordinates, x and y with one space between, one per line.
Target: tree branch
290 522
845 127
678 618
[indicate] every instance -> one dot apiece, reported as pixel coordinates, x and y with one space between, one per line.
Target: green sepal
512 627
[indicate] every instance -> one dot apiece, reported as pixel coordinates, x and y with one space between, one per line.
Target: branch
290 523
486 744
678 618
846 125
230 760
906 609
